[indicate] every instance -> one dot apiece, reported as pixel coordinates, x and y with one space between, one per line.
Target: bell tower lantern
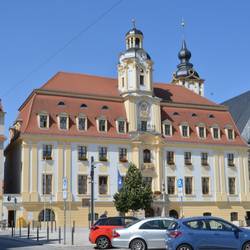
135 65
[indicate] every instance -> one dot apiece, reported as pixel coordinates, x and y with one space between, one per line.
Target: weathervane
133 22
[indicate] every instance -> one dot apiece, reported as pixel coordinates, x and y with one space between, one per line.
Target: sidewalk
80 237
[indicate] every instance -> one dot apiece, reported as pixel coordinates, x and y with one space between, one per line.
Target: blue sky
217 33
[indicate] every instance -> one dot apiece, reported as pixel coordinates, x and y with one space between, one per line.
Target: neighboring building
2 139
168 131
239 107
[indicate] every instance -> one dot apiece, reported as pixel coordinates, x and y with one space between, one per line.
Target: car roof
113 217
199 218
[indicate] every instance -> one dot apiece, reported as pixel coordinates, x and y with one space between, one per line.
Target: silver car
148 233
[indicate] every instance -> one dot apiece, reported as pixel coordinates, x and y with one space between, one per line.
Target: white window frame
86 122
209 186
107 185
167 122
233 132
219 132
198 131
235 186
106 124
125 125
188 130
38 119
67 121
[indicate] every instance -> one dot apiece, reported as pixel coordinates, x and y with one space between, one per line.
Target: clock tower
135 85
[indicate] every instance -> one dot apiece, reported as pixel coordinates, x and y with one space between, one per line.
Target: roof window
83 106
105 107
194 115
61 103
175 113
211 116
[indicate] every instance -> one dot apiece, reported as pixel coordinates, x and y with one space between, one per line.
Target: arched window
83 106
105 107
49 215
61 103
146 156
137 42
174 214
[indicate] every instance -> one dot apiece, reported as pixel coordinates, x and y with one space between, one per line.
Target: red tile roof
97 87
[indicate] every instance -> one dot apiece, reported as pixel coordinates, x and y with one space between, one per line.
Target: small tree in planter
134 194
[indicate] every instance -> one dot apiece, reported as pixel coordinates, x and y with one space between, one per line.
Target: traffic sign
65 183
180 183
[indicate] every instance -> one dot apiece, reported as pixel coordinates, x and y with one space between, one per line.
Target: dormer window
102 124
167 128
185 130
121 126
43 120
202 132
61 103
83 106
63 121
230 134
216 133
82 123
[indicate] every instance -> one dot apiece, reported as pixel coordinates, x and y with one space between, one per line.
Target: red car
101 232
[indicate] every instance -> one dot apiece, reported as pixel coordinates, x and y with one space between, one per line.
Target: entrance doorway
174 214
207 214
11 218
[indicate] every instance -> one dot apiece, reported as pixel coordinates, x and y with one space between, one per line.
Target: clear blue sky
217 33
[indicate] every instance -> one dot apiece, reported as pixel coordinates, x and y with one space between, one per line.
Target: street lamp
92 175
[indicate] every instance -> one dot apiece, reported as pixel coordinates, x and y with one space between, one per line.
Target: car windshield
132 223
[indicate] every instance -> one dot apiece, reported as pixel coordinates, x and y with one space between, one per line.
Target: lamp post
92 175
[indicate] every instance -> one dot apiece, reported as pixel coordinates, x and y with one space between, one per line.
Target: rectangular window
121 127
47 183
205 185
231 185
82 123
102 125
204 159
216 133
187 158
103 184
82 153
234 216
43 121
102 153
167 129
147 181
63 122
47 152
188 185
170 158
230 134
201 132
82 184
171 185
141 79
143 125
230 159
123 155
184 130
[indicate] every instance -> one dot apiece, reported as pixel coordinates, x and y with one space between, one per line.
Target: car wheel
138 244
184 247
246 246
102 242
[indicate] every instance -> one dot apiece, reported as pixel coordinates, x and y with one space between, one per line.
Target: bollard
51 226
28 231
37 233
55 225
59 235
74 225
12 229
20 228
33 225
72 236
47 231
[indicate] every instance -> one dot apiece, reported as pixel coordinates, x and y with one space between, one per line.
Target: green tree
134 194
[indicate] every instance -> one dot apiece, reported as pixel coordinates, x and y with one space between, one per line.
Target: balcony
147 166
148 128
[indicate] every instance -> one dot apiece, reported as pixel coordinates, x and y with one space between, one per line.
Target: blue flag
120 182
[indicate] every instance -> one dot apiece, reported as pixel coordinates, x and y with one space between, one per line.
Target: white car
148 233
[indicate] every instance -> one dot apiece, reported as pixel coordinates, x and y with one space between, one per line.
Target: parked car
101 232
148 233
207 232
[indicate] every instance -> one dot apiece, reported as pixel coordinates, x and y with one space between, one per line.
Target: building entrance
11 218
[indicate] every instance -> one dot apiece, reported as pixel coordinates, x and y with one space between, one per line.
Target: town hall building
169 131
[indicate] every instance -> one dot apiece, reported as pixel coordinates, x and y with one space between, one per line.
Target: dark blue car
208 233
